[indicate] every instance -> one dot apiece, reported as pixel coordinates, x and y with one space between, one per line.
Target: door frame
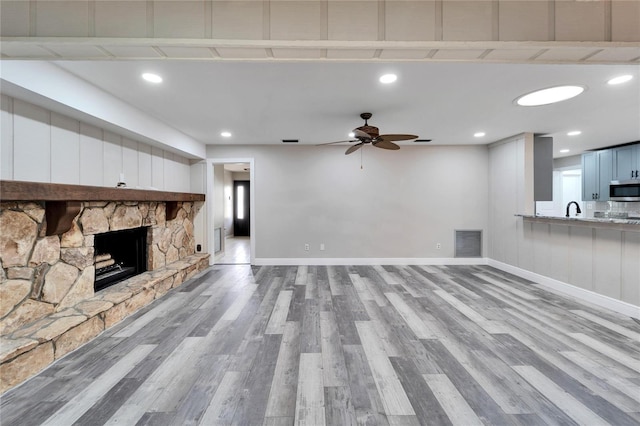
210 202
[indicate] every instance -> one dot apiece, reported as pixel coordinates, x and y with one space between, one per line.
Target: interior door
241 208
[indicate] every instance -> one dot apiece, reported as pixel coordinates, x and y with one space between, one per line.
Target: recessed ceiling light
388 78
620 79
574 133
225 134
479 134
152 78
352 135
564 151
550 95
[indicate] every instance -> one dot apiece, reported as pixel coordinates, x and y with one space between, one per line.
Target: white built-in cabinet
596 175
626 162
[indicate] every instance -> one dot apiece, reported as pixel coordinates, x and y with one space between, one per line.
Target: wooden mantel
63 202
13 190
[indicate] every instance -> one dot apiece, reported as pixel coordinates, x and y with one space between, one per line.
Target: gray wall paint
398 206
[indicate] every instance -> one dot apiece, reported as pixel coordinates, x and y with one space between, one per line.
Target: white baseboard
371 261
571 290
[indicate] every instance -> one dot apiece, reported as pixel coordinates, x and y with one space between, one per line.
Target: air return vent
290 140
468 243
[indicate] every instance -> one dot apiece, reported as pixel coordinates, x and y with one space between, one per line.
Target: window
240 202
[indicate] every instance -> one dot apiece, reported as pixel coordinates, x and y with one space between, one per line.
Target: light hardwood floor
237 251
341 345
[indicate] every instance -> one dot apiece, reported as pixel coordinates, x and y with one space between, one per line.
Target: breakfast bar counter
628 224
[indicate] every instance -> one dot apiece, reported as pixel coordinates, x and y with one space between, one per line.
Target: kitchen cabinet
626 162
597 173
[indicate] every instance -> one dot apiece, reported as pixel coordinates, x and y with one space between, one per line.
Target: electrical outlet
438 246
306 247
321 246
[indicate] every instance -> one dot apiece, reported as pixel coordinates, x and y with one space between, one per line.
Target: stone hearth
47 302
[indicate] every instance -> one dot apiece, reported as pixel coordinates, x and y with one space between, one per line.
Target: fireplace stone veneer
47 282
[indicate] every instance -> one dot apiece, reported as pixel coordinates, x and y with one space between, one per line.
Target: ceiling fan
370 135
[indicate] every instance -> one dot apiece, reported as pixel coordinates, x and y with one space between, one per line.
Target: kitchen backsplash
632 208
588 208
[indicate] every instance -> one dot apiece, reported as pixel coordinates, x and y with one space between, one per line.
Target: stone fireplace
49 250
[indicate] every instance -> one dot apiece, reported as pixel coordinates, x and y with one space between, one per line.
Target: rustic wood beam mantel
13 190
63 202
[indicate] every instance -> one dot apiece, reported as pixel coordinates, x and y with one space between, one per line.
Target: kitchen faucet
578 211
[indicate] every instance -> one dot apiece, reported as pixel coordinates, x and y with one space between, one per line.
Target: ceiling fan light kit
371 135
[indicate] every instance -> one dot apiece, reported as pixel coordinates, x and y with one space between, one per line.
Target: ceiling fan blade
332 143
354 148
384 144
360 134
396 137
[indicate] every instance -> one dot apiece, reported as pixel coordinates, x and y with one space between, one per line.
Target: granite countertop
585 219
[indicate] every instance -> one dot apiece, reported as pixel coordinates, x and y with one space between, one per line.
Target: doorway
233 216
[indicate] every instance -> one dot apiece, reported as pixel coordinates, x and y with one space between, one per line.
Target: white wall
510 192
199 186
399 206
598 259
39 145
218 191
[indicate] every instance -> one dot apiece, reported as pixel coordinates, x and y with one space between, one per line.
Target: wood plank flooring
347 345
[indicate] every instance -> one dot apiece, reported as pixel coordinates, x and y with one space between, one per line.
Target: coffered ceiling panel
458 54
188 52
567 54
295 20
404 54
512 54
120 19
519 20
185 19
239 53
79 51
625 21
26 51
580 20
14 18
352 20
62 18
410 20
238 19
297 53
350 53
133 51
618 55
467 20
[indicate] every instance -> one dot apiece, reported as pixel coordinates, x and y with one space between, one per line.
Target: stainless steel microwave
624 190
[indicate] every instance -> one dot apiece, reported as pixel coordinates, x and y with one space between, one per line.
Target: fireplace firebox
119 255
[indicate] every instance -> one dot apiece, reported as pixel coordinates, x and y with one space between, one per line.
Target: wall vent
290 140
468 243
